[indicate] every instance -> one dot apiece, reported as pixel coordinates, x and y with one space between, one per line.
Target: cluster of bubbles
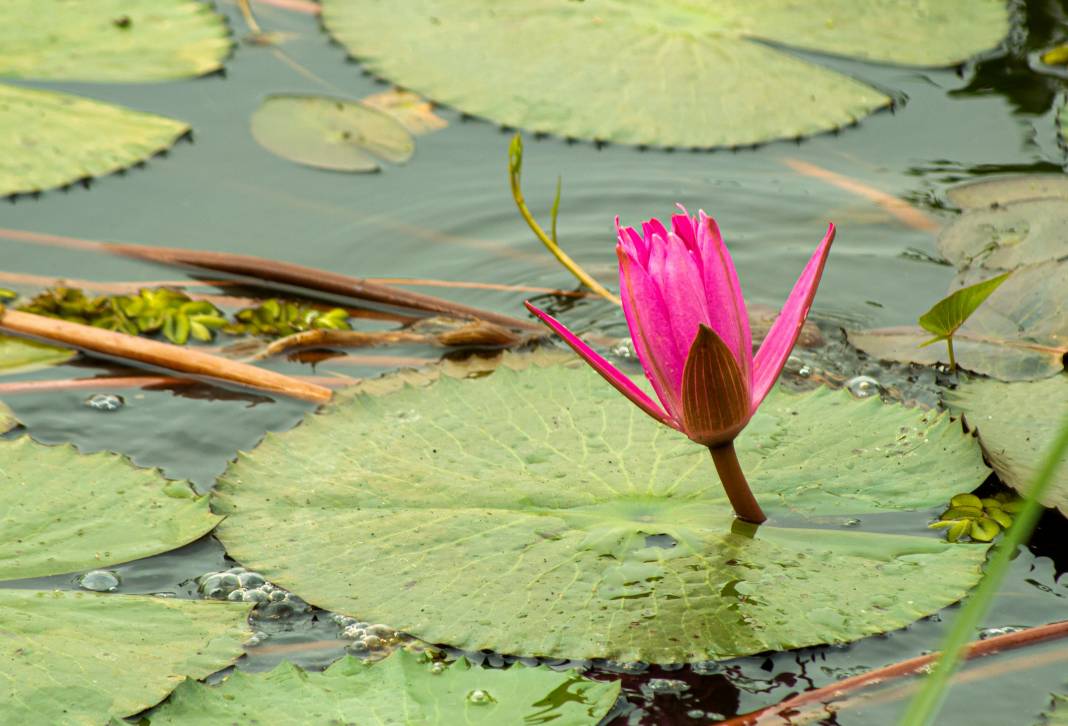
106 402
240 585
372 641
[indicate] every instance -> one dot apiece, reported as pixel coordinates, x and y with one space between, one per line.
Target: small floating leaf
402 689
669 73
84 658
542 488
330 133
1016 424
51 139
111 40
61 511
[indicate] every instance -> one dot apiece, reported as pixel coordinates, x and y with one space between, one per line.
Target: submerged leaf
111 40
1006 237
330 133
83 658
539 513
668 74
402 689
1016 423
61 511
949 313
51 139
1001 191
18 355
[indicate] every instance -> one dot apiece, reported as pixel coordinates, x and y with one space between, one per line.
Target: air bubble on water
99 581
804 371
863 386
695 713
437 668
257 637
664 687
994 632
106 402
851 523
480 697
705 667
623 349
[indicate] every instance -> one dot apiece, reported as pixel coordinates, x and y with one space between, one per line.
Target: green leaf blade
951 312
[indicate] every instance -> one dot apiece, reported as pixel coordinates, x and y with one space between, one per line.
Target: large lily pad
330 133
1006 237
677 73
1058 714
110 40
1003 190
1020 333
7 419
1016 424
82 658
18 355
52 139
402 689
538 512
61 511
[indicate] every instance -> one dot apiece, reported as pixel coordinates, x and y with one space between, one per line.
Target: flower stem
734 483
952 359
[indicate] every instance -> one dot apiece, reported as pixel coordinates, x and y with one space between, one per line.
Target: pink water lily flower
690 328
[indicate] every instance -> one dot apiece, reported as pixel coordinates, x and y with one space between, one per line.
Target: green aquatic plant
924 707
980 520
278 318
951 312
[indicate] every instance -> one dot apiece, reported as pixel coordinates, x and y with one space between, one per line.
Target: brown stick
424 282
912 666
164 355
285 273
734 483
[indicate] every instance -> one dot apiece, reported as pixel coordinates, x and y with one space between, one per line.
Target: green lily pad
18 355
7 419
672 73
538 512
61 511
1004 190
1016 424
111 40
402 689
330 133
1058 714
1004 238
51 139
82 658
1019 334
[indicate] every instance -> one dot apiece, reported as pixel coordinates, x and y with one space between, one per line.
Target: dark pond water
448 214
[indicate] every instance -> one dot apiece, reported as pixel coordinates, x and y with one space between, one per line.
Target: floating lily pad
82 658
1016 424
1020 333
61 511
51 139
540 513
1004 190
110 40
402 689
667 74
7 419
330 133
18 354
1058 714
1004 238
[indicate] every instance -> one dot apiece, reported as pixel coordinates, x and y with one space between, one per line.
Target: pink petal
610 373
783 334
723 295
683 293
683 226
649 320
634 244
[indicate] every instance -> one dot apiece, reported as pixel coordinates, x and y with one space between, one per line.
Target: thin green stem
515 167
952 359
734 483
927 702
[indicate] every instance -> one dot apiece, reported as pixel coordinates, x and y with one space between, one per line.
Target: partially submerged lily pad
111 40
61 511
1016 424
538 512
330 133
1019 334
18 355
7 419
1058 714
51 139
1006 237
1004 190
665 74
83 658
402 689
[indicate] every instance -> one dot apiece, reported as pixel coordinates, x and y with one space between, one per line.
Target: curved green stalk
925 705
515 167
